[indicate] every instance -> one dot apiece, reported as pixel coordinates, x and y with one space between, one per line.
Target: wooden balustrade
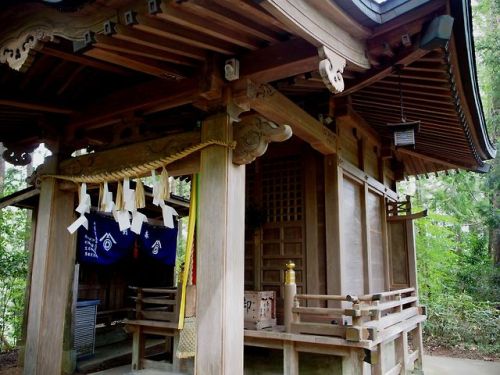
373 320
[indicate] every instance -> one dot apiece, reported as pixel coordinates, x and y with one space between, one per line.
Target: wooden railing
156 313
374 320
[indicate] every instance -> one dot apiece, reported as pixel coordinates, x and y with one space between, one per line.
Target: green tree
13 263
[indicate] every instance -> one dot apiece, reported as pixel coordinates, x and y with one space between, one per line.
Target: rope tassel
140 196
164 185
119 197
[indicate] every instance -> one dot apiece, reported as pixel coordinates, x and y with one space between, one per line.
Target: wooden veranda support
54 257
220 262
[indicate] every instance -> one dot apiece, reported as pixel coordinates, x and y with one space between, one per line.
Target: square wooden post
51 282
220 262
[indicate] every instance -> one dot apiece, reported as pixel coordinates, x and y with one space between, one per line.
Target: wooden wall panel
371 163
398 255
353 265
349 145
376 242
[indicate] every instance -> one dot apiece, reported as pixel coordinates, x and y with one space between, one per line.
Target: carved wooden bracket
331 67
18 53
252 136
26 26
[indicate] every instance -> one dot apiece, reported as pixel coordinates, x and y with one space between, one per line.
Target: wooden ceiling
149 70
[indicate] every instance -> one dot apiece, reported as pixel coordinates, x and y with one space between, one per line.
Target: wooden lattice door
276 187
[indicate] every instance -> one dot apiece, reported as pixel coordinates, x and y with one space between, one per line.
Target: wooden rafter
79 59
229 18
405 58
37 106
178 33
143 38
154 94
140 64
204 26
131 48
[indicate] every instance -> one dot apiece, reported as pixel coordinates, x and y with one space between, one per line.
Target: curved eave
464 49
370 14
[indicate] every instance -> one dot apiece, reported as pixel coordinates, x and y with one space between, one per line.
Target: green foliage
458 281
13 264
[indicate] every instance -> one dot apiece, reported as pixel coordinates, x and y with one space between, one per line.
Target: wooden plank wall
339 237
357 182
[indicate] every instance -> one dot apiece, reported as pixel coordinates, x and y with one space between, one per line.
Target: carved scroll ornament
331 67
26 26
252 136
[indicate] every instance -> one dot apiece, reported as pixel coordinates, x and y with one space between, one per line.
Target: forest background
458 244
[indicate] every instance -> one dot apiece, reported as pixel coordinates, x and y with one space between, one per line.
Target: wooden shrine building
299 118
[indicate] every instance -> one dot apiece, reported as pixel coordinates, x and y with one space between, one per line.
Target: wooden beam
310 22
178 33
158 94
15 198
79 59
248 8
140 64
276 107
220 255
229 18
131 48
407 57
279 61
135 154
362 176
34 106
146 39
205 26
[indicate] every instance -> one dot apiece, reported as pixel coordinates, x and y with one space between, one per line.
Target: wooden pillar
24 328
333 224
51 282
290 359
419 345
290 293
402 351
220 262
352 364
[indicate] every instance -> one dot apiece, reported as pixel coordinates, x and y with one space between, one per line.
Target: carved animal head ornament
253 135
331 68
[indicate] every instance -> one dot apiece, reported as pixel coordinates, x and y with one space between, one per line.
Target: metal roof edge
462 12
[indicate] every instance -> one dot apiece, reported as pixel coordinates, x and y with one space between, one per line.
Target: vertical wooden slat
311 222
385 241
333 224
412 255
53 260
365 233
220 272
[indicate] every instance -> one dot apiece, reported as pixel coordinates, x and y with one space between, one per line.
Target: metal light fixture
404 131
